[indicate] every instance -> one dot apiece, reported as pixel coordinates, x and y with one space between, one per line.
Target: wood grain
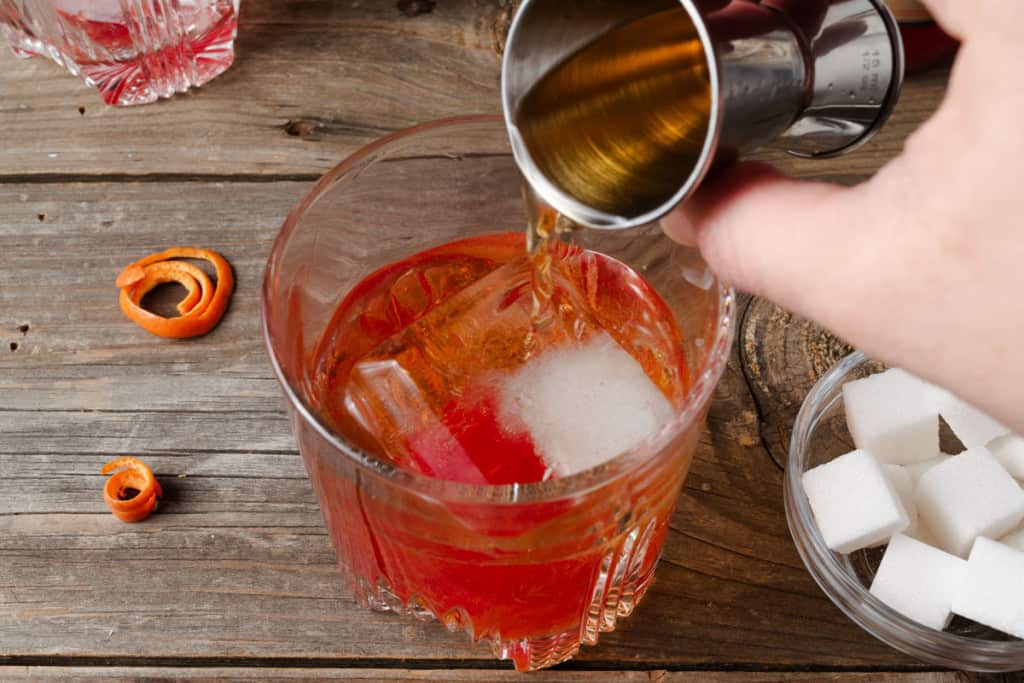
312 81
783 356
236 565
133 674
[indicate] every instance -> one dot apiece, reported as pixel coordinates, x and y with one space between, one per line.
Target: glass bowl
535 569
819 435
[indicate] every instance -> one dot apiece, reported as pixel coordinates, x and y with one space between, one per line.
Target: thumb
772 236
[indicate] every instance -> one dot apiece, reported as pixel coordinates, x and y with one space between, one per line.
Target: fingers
769 235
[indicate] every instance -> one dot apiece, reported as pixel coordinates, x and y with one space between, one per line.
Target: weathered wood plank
59 319
236 562
313 81
126 674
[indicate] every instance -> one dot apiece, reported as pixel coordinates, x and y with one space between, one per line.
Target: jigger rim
565 203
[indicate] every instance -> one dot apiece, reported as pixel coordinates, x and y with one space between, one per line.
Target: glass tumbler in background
535 569
132 51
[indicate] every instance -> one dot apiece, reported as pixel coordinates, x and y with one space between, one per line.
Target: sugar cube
901 481
917 469
919 581
1009 451
973 427
892 414
924 534
993 592
967 496
1015 540
854 503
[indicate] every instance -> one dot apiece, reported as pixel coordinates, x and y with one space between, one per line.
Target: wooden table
235 576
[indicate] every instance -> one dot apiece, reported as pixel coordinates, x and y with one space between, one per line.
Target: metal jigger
816 77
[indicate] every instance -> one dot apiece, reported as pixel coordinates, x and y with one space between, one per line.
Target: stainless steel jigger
816 77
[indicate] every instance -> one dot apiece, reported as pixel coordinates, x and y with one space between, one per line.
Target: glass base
624 577
124 74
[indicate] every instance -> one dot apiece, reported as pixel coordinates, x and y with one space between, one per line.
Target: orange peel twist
204 303
130 474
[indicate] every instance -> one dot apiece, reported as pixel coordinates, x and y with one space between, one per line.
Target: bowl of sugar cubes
907 506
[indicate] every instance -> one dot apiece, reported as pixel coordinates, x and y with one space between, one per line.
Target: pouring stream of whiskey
545 228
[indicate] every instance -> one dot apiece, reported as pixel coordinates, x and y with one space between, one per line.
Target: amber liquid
620 125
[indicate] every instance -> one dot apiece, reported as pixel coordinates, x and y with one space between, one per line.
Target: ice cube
919 581
967 496
463 442
473 438
993 592
429 394
475 391
1009 451
484 329
892 415
585 404
854 502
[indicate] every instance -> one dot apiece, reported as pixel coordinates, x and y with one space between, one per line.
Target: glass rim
846 591
454 491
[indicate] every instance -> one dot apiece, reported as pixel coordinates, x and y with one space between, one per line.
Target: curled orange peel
132 490
204 303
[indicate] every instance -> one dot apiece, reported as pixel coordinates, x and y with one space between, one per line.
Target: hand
922 266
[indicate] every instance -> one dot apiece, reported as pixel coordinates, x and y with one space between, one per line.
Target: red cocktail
510 477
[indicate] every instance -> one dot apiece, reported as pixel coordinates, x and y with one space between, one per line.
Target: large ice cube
584 404
484 329
466 441
427 393
475 391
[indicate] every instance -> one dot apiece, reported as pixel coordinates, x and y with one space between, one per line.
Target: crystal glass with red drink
132 51
493 448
